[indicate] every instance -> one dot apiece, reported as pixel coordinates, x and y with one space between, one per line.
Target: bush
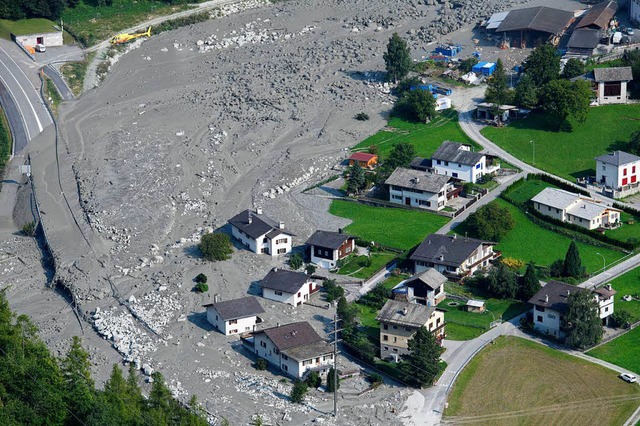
362 116
375 378
310 269
215 246
621 319
296 261
332 384
29 229
512 263
261 364
334 291
377 297
298 392
313 380
201 278
202 287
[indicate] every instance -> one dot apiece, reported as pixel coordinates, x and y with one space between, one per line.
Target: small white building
235 316
326 248
416 188
47 39
619 171
458 161
295 348
576 209
611 84
425 288
260 234
293 288
550 304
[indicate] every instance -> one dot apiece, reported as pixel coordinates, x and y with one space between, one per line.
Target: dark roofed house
452 255
550 304
296 349
235 316
599 16
261 234
364 159
583 41
327 248
612 84
535 25
400 320
419 189
425 288
459 161
288 286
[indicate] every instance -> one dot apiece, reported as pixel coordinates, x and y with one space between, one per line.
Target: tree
79 387
346 313
215 246
332 384
400 156
633 146
572 266
314 380
502 282
526 94
356 180
397 58
421 363
310 269
333 291
530 283
490 222
573 68
298 392
621 319
406 84
201 278
543 65
373 149
581 323
563 100
296 261
416 105
29 229
498 92
466 65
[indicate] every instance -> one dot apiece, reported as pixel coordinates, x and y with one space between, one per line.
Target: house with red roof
364 159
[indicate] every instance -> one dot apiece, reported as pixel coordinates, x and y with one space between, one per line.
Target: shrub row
557 182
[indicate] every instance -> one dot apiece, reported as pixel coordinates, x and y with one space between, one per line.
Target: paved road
17 128
61 85
33 113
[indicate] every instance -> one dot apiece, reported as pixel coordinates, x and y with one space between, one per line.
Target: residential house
399 321
235 316
618 173
550 305
611 84
452 255
327 248
294 348
425 288
282 285
457 160
419 189
576 209
261 234
363 159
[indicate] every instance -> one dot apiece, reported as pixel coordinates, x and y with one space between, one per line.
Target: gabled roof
292 335
554 295
237 308
605 292
328 239
416 315
420 163
448 250
584 38
284 280
362 156
613 74
474 303
599 15
416 179
256 225
429 278
454 152
540 18
311 350
574 204
618 158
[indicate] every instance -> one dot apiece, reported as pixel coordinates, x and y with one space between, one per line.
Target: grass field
425 137
392 227
356 267
515 381
53 97
623 351
568 154
528 190
530 242
5 141
628 284
30 26
75 72
91 24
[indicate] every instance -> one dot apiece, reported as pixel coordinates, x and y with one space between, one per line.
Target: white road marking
24 120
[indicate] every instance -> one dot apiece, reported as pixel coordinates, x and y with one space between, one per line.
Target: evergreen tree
543 65
79 387
401 155
530 283
502 282
498 92
298 392
397 58
159 402
332 385
633 146
573 68
421 363
572 266
357 179
581 322
526 95
346 313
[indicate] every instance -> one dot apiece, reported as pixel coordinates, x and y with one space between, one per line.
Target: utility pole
335 361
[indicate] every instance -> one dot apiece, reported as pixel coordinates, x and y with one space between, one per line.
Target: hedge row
557 182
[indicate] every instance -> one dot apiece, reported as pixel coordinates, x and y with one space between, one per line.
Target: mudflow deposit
188 129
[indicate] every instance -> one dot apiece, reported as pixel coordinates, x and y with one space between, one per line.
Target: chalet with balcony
415 188
327 248
425 288
283 285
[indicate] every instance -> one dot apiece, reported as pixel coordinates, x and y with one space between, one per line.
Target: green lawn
529 242
92 24
528 190
392 227
628 284
623 351
518 382
30 26
356 267
568 154
425 137
5 141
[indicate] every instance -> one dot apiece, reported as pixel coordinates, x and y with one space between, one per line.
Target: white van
40 47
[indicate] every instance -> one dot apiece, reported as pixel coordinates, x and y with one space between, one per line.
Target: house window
454 174
539 318
459 165
265 240
395 339
263 344
557 210
437 291
282 251
281 241
540 308
285 368
299 294
216 318
285 357
424 203
624 171
278 293
385 337
249 329
407 329
307 362
385 326
604 168
446 163
438 162
233 331
395 327
231 322
606 309
276 350
437 322
396 197
478 166
549 207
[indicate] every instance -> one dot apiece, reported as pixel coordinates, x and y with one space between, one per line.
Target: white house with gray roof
574 208
611 84
425 288
291 287
416 188
458 161
618 171
260 234
235 316
327 248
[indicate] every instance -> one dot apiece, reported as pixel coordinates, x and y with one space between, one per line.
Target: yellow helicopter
124 37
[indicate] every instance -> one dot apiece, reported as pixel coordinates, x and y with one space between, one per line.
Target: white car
628 377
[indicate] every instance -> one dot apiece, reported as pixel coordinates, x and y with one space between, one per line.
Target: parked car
628 377
630 31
